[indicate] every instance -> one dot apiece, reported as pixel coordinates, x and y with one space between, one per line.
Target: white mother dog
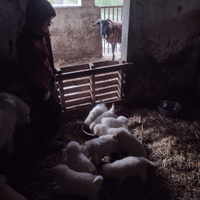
13 111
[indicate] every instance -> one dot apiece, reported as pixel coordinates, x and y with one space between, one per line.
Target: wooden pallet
88 84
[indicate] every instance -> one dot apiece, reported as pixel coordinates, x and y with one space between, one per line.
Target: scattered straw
172 143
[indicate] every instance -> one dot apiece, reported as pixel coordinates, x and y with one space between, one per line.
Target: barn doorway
112 10
85 83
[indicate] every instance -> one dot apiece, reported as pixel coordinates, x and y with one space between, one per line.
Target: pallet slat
89 72
106 77
77 102
76 96
107 96
105 90
74 68
106 83
73 82
77 89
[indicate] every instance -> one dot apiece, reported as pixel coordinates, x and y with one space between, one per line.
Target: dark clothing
37 76
33 54
38 10
50 113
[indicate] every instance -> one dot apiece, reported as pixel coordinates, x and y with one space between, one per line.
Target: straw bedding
62 62
172 143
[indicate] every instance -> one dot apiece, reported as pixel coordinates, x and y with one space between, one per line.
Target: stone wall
74 33
11 22
164 45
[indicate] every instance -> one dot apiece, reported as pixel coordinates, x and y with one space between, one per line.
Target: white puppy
109 113
102 146
114 123
101 130
80 183
76 160
129 144
13 111
126 167
95 112
7 193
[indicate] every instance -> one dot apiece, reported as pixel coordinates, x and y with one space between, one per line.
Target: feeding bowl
169 108
87 131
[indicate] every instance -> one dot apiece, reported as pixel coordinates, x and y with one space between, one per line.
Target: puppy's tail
112 109
150 163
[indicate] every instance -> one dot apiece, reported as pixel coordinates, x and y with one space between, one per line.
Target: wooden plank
107 83
75 82
92 89
76 96
105 63
106 76
61 92
77 108
120 75
76 89
77 102
123 83
106 90
107 96
72 68
89 72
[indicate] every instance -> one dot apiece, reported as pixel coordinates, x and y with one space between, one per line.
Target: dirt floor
173 144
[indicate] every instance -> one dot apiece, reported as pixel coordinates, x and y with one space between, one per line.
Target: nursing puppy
126 167
109 113
7 193
80 183
129 144
95 112
114 123
101 130
76 160
13 112
102 146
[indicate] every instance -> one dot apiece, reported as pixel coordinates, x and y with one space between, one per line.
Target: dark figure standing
37 73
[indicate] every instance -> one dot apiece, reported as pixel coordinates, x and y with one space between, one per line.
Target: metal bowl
169 108
87 131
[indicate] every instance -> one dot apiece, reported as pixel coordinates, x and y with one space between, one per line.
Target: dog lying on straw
13 111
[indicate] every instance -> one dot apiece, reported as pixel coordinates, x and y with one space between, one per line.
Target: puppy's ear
115 137
98 179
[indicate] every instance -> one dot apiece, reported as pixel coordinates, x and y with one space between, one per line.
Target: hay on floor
172 143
